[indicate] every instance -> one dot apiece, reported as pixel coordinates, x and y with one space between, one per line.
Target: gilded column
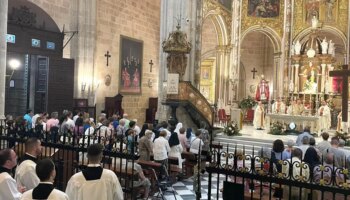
3 47
330 68
323 77
296 75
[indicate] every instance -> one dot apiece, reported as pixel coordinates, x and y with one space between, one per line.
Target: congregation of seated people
305 161
153 143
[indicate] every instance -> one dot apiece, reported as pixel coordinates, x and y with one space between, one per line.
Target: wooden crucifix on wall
254 71
150 65
107 55
344 74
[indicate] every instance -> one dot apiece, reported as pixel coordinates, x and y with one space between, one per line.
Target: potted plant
231 129
246 105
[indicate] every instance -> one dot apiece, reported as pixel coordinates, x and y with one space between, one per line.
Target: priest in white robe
25 172
8 186
259 116
296 108
94 182
45 170
278 107
325 116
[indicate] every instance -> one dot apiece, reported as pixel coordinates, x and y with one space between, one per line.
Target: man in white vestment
278 107
45 170
8 186
94 182
259 116
325 116
296 108
25 172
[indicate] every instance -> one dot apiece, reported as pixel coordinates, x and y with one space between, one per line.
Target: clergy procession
174 99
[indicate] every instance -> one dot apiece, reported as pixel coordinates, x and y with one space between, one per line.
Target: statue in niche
310 85
324 46
331 48
312 10
262 91
329 12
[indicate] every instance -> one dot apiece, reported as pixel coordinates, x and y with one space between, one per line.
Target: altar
300 120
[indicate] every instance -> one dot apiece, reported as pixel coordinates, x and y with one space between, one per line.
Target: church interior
263 70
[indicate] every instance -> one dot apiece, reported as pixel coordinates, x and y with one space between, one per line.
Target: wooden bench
190 162
147 167
174 168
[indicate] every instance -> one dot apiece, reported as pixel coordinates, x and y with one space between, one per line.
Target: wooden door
60 85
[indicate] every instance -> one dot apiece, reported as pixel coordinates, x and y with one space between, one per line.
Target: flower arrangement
277 128
247 103
231 129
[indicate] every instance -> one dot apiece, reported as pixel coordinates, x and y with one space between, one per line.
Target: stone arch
220 27
269 32
274 70
43 20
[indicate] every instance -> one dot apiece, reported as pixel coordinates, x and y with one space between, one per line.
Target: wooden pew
189 163
174 169
147 167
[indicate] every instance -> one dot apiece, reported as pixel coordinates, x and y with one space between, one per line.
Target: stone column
234 72
189 14
278 77
3 47
220 62
83 50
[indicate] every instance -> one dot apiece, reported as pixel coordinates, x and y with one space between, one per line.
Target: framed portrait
131 57
80 103
205 73
263 8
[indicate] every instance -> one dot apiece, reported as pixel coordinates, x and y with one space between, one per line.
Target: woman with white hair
146 146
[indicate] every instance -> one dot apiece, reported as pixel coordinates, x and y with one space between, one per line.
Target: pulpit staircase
196 105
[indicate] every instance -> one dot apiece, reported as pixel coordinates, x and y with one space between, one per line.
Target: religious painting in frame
131 57
205 73
263 8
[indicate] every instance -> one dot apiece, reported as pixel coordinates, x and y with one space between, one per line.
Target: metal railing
69 152
263 177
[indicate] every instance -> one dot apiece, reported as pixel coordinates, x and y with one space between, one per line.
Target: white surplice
278 108
106 188
259 117
8 187
26 175
325 117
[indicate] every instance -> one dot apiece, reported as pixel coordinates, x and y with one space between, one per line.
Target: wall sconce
83 86
14 65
